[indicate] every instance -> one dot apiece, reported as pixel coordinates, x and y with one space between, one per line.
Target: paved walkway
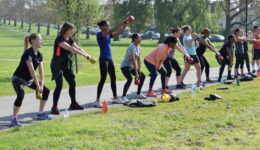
85 96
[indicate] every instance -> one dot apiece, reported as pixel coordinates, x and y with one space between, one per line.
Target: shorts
194 57
256 54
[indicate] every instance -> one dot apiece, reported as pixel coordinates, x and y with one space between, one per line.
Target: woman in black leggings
61 65
171 63
240 51
131 65
205 43
25 75
106 64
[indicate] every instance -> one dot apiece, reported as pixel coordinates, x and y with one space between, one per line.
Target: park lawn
191 123
11 48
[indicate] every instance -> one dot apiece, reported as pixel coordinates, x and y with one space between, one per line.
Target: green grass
11 47
191 123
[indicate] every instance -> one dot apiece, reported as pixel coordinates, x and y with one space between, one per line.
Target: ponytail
28 40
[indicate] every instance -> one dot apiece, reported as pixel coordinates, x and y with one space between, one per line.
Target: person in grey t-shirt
131 65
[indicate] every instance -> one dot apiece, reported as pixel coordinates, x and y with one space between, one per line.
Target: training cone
104 107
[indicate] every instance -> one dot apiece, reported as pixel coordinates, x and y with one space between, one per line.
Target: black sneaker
76 106
183 84
55 110
230 78
253 71
179 86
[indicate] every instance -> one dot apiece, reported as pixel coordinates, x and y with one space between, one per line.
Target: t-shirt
105 46
256 45
22 71
190 50
158 55
59 51
239 48
131 50
223 50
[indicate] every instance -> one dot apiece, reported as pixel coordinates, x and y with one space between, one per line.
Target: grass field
191 123
11 49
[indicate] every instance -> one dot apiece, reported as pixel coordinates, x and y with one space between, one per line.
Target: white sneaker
140 96
98 104
125 99
117 101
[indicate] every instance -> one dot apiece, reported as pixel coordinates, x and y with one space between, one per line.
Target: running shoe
15 123
140 96
43 116
55 110
179 86
124 98
151 94
98 104
117 101
76 106
166 91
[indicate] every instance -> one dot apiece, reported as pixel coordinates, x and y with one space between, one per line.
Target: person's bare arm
132 58
139 65
239 39
33 75
115 34
210 46
72 49
75 45
41 73
180 48
230 57
114 29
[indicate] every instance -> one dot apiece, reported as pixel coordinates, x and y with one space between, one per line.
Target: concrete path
85 95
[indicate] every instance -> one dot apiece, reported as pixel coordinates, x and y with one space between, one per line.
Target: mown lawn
11 49
191 123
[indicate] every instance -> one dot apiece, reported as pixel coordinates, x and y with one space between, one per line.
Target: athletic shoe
98 104
151 94
166 91
43 116
183 84
140 96
55 110
117 101
253 71
230 78
210 81
125 99
15 123
179 86
76 106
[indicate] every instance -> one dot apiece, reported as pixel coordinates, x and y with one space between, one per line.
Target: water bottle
200 87
104 107
66 114
193 90
237 81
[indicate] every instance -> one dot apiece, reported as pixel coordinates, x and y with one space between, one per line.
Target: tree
175 13
140 9
233 9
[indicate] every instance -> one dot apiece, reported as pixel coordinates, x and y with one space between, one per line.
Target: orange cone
104 107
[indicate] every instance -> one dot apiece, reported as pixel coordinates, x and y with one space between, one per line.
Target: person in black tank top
203 44
227 52
25 75
61 66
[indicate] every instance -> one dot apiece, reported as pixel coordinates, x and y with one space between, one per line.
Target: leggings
170 63
127 71
106 66
222 67
204 63
239 61
18 87
70 78
246 58
153 74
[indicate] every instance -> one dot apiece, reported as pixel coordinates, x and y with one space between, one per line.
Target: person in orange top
154 62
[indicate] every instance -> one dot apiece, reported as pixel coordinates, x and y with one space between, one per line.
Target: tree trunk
162 38
87 33
58 30
9 23
22 24
48 29
39 28
117 38
14 22
4 21
30 27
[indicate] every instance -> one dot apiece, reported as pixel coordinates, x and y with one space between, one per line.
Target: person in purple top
106 64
